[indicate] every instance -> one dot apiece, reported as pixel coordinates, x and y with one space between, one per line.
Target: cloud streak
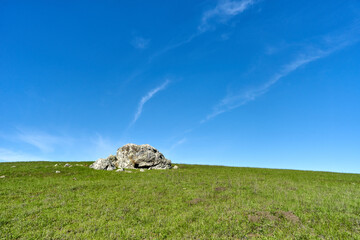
146 98
332 44
43 141
49 147
173 46
7 155
103 146
181 141
223 11
140 43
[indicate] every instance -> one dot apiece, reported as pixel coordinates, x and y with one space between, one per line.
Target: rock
57 172
104 164
175 167
67 165
141 156
142 170
157 168
120 170
2 176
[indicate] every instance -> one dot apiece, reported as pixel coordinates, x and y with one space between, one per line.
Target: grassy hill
192 202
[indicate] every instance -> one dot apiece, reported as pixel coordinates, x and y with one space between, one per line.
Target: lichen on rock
134 156
141 156
104 163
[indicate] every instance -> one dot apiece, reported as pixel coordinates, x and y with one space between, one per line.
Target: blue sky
254 83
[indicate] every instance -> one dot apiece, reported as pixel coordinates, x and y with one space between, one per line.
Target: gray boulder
104 164
141 156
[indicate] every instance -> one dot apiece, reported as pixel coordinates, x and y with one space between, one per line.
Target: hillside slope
197 202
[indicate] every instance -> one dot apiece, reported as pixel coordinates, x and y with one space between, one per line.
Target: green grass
192 202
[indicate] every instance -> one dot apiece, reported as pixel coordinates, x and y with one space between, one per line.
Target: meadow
192 202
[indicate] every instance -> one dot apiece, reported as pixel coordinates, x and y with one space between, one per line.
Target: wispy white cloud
181 141
174 145
173 46
330 44
7 155
140 42
49 147
232 101
103 146
43 141
223 11
146 98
